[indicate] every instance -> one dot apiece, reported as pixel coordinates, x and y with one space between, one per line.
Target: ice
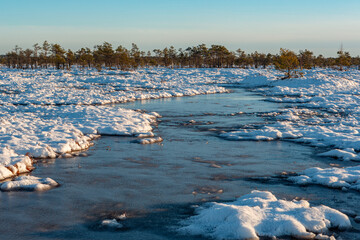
261 214
28 183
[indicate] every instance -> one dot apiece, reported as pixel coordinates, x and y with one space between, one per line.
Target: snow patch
148 140
343 178
111 223
29 183
261 214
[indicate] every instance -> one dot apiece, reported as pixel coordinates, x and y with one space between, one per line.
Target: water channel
157 185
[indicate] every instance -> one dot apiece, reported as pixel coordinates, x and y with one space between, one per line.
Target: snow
111 223
148 140
114 223
334 177
261 214
345 154
29 183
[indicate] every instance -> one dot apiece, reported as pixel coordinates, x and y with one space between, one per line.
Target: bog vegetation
105 55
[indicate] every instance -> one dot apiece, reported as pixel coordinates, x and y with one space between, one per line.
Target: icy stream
156 185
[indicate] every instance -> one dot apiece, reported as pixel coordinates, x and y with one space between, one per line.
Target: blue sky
263 25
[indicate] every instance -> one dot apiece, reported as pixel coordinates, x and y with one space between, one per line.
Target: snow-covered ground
261 214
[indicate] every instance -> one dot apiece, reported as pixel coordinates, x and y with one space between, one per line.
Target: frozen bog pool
145 191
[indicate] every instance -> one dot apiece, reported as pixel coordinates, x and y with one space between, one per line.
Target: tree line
105 55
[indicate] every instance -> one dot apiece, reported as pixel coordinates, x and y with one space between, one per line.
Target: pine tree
287 62
46 48
122 58
306 59
70 58
37 48
57 56
104 55
343 60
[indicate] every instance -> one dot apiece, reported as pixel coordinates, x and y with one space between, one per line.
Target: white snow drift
261 214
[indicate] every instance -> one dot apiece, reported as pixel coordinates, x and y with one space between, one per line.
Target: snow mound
29 183
111 223
261 214
334 177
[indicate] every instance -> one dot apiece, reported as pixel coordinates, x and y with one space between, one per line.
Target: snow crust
261 214
29 183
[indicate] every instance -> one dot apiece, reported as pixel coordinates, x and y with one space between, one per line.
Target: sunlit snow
261 214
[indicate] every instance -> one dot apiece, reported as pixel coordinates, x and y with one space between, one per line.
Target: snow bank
345 178
261 214
29 183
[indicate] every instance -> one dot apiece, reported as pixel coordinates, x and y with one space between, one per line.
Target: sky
262 25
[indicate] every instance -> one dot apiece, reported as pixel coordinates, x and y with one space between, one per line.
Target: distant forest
217 56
